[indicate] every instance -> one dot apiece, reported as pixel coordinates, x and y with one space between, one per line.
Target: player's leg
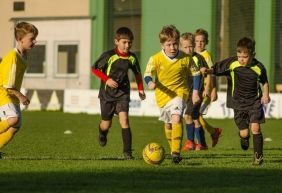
190 129
107 113
176 137
11 114
168 131
122 109
177 106
257 118
241 119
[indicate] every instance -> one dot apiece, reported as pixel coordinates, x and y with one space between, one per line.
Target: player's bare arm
23 99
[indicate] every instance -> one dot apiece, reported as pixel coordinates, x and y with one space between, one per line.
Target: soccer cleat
189 145
216 136
127 155
245 143
200 147
258 159
176 159
102 139
1 155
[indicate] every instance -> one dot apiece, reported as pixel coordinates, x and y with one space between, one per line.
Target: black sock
258 143
127 139
103 132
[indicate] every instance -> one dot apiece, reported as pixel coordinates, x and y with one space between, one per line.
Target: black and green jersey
244 91
112 64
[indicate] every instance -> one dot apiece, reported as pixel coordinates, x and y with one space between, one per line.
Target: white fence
87 101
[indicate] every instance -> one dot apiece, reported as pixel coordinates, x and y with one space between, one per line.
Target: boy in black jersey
112 68
245 75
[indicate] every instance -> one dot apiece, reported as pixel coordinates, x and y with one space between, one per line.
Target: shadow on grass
149 179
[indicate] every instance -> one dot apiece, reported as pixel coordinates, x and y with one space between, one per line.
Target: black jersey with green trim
116 67
243 91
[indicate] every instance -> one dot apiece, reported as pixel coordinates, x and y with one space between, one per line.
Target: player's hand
214 95
111 83
142 95
203 70
195 97
151 85
24 100
265 99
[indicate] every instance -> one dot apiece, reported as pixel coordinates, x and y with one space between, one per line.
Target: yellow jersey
170 76
207 57
12 69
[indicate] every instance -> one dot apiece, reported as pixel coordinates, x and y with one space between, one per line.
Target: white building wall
53 32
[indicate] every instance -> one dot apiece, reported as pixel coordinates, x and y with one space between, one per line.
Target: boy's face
200 43
28 41
186 46
244 58
170 47
123 45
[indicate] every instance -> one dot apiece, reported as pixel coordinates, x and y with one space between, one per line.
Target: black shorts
243 118
193 110
109 108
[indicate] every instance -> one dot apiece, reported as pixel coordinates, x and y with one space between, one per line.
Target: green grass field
41 158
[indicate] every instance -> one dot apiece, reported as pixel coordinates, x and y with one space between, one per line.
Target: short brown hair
204 33
124 33
246 44
169 32
23 28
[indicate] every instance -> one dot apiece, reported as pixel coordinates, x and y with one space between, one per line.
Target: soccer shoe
102 139
216 136
200 147
245 143
1 155
176 159
189 145
258 159
127 155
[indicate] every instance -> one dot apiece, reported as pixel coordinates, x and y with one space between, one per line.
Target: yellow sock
168 135
5 138
4 126
176 137
206 126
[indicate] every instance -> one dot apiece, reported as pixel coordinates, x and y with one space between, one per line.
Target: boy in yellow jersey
166 73
192 112
201 40
12 69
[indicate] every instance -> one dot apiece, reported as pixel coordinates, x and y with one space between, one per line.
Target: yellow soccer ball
153 154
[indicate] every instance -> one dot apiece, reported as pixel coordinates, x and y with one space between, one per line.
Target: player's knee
188 119
13 121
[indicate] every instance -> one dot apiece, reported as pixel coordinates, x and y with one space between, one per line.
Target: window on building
235 21
37 60
67 59
19 6
278 44
126 13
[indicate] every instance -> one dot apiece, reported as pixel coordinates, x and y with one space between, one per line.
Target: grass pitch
42 158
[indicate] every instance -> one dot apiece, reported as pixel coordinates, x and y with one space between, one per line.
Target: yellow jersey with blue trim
12 69
170 76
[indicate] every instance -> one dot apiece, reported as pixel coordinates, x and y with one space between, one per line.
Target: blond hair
188 36
23 28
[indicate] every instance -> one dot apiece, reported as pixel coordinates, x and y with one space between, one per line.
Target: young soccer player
244 94
192 112
112 68
12 69
166 73
201 40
